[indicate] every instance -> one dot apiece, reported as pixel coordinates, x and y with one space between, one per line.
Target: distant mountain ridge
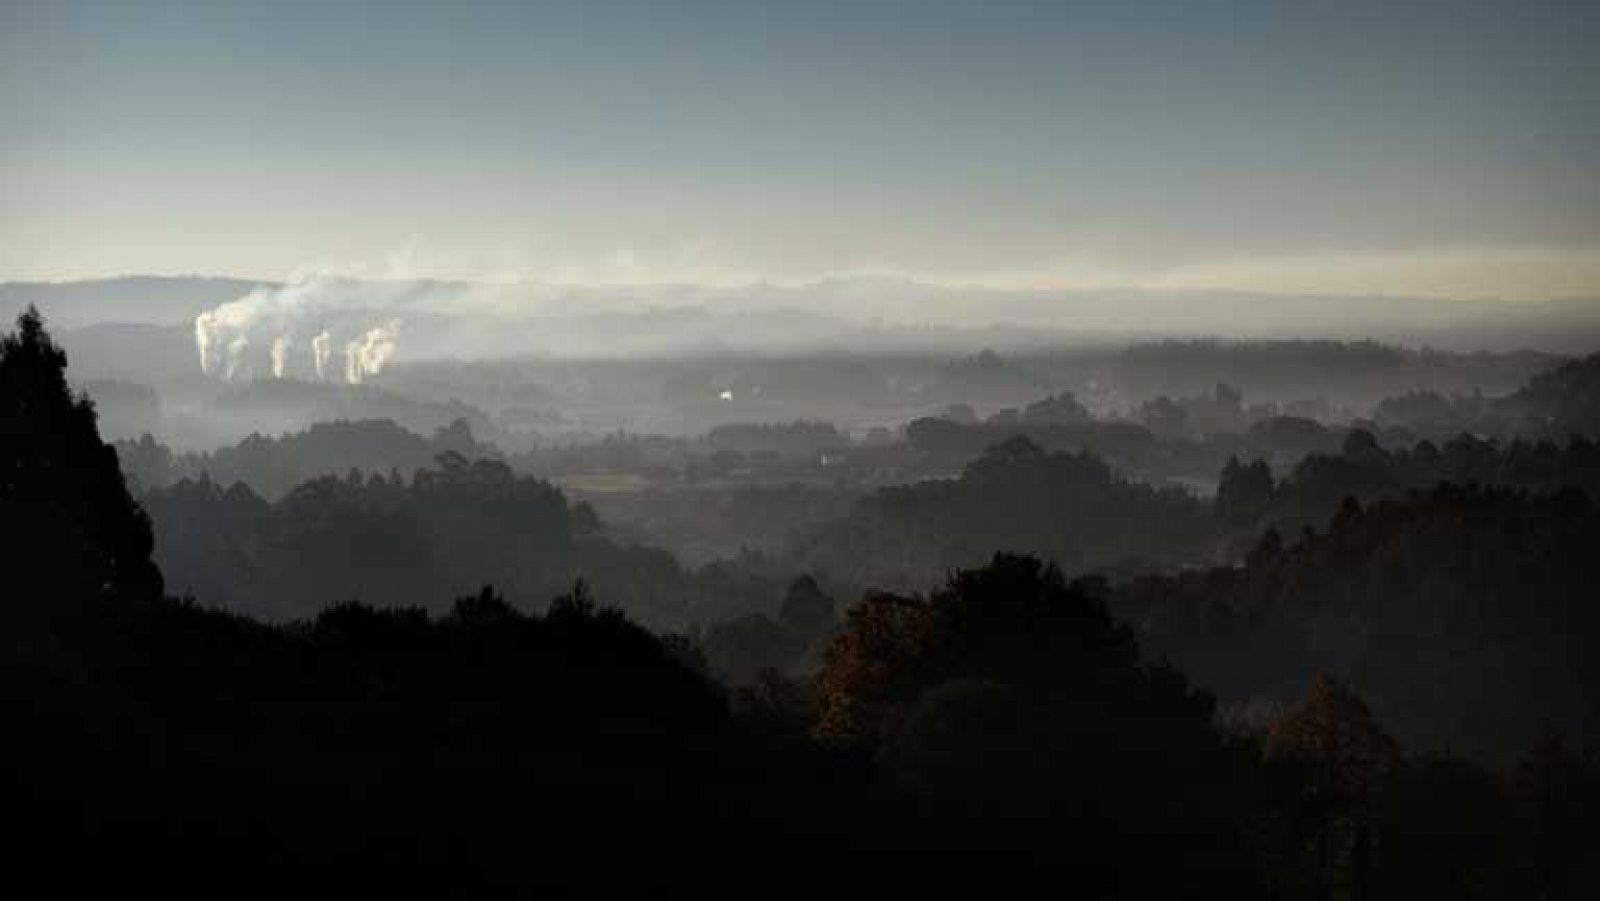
133 299
874 312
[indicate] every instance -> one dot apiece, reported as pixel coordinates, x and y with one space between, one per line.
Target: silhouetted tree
1010 695
870 669
1443 832
64 507
1058 409
1563 401
1555 799
741 649
1244 492
1343 762
484 609
806 610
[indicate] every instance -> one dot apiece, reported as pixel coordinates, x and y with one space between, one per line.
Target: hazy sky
1418 148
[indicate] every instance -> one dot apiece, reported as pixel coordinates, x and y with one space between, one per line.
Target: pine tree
70 525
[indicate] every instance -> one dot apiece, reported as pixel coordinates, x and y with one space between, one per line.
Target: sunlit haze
829 449
1357 148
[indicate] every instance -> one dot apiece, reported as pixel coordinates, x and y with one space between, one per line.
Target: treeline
1406 571
1070 508
1002 732
413 542
1557 403
446 527
1012 698
153 743
272 466
702 523
485 751
1349 372
1250 500
1465 614
801 438
719 494
1187 439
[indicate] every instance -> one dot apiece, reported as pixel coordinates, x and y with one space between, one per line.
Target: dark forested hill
1466 615
394 541
1251 501
1556 403
1012 728
272 466
1070 508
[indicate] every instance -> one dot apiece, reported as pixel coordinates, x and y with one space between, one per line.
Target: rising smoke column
313 310
222 335
236 349
365 356
280 351
205 329
321 352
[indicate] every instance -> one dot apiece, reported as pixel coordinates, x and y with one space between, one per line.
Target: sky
1424 148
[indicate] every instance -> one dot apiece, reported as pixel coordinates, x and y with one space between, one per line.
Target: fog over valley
1142 450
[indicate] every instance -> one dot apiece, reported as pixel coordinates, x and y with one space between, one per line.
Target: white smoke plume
321 352
205 325
280 354
298 328
222 336
236 351
365 356
312 312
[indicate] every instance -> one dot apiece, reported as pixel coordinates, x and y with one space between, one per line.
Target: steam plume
364 316
366 355
321 351
205 326
280 352
236 349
